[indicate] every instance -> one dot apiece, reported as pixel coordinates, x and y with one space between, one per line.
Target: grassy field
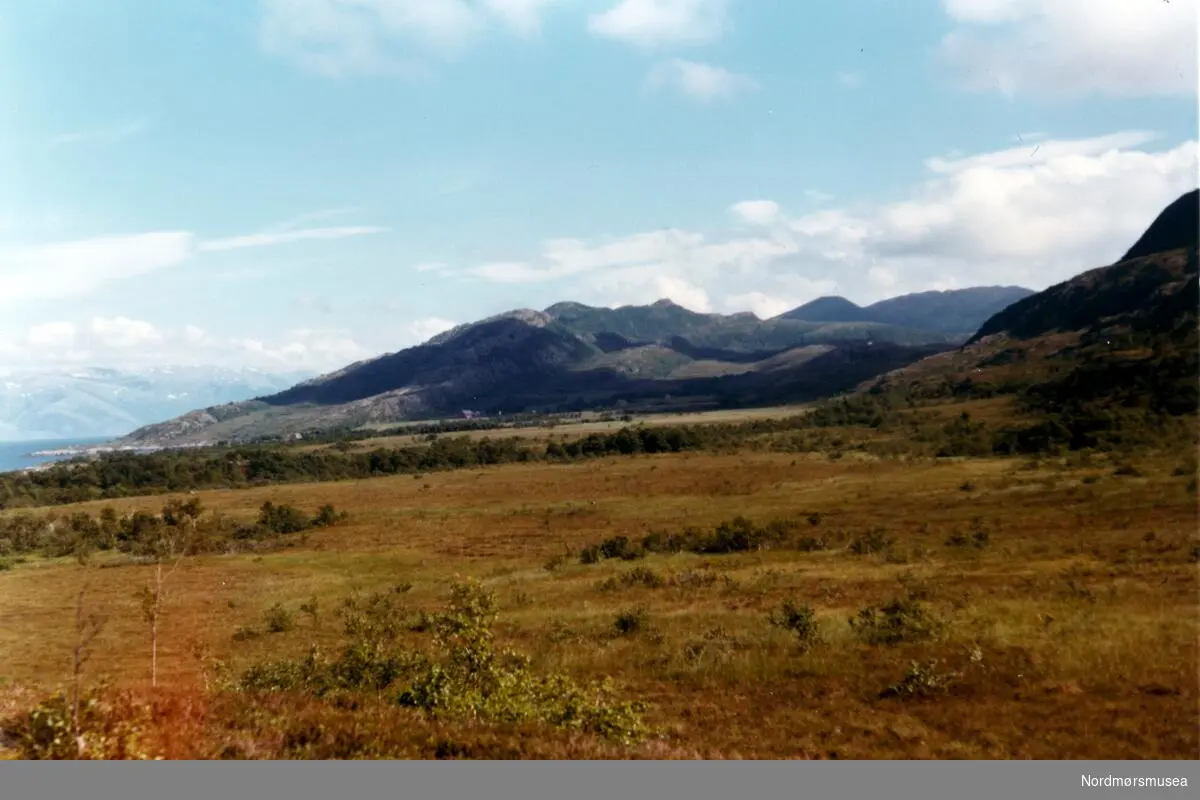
587 424
1055 610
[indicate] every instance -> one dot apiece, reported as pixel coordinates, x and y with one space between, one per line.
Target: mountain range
571 357
95 402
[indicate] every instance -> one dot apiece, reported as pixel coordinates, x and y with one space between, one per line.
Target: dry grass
1071 634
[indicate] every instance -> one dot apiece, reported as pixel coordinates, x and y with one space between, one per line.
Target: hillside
573 356
955 313
1110 355
1176 227
828 309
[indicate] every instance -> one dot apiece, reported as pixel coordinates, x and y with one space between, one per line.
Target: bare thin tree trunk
154 625
76 669
87 628
153 608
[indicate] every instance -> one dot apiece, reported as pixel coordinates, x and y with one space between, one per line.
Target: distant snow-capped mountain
100 402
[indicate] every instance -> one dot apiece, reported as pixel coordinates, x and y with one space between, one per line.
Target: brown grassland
1064 592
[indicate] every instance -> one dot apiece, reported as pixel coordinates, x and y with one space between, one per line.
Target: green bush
619 547
466 676
630 622
873 541
638 576
921 680
327 516
904 620
282 519
278 619
800 621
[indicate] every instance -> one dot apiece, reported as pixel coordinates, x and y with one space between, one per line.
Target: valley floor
1060 601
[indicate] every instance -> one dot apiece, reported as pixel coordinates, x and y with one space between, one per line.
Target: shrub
556 562
921 680
281 519
619 547
313 609
6 564
800 620
327 516
811 544
476 679
957 539
615 547
107 730
638 576
904 620
630 621
467 675
245 634
735 536
278 619
873 541
695 579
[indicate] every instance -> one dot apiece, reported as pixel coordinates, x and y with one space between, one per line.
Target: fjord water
17 455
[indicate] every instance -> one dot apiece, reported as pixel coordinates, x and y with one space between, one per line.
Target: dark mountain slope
1147 292
652 323
828 309
481 357
1178 226
954 311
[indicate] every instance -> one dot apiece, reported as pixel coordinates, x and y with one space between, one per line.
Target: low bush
903 620
800 621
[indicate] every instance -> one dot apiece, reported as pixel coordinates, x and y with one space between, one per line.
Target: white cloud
882 277
286 237
1074 47
652 23
1013 216
79 267
122 333
392 37
523 16
122 342
107 135
757 212
64 269
698 81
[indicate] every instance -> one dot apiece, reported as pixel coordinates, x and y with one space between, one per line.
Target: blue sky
300 183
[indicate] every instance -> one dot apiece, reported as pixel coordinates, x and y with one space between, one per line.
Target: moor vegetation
992 553
817 592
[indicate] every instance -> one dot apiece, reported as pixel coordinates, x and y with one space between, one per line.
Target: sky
298 184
